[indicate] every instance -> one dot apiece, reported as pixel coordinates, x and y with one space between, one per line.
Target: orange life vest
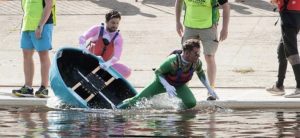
180 77
290 5
101 48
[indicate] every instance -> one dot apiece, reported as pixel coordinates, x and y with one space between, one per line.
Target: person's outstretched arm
90 33
118 44
202 78
164 69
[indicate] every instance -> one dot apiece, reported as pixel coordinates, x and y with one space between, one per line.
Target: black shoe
42 92
23 92
211 98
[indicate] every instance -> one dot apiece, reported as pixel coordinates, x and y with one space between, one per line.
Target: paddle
113 106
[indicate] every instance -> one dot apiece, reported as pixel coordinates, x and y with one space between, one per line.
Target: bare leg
45 65
28 66
211 69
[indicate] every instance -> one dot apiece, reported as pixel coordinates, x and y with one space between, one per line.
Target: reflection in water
211 123
27 122
44 122
288 126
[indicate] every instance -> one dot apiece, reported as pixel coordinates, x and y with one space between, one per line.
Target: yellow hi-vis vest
200 14
33 12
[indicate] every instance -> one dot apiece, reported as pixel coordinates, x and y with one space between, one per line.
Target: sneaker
42 92
295 94
276 90
23 92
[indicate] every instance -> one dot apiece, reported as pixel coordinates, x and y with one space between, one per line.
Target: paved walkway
233 98
246 60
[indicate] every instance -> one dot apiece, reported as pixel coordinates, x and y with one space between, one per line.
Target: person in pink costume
106 42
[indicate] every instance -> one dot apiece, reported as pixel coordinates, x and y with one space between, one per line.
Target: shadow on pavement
240 9
126 9
167 3
260 4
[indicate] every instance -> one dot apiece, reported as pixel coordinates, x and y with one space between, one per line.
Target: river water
210 122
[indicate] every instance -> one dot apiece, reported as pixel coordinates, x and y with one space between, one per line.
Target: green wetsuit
169 66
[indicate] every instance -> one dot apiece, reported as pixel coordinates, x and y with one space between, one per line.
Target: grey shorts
208 37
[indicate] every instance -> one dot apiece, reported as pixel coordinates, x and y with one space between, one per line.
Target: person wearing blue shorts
36 35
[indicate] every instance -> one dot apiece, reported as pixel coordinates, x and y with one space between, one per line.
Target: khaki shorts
208 37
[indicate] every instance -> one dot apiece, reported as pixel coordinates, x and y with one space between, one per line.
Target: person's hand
179 29
82 40
105 65
171 90
223 34
100 57
211 98
84 49
38 32
212 95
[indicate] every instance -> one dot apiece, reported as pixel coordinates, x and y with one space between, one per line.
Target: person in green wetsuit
172 76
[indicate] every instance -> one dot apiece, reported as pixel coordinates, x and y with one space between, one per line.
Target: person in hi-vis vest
36 34
201 22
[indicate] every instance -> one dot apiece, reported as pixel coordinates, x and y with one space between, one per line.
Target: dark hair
190 44
112 14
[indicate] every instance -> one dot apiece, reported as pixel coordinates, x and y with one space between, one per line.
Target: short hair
112 14
190 44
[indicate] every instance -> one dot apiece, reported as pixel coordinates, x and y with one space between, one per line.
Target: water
213 122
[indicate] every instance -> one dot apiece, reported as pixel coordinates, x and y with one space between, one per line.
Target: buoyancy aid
289 5
101 47
201 14
180 77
